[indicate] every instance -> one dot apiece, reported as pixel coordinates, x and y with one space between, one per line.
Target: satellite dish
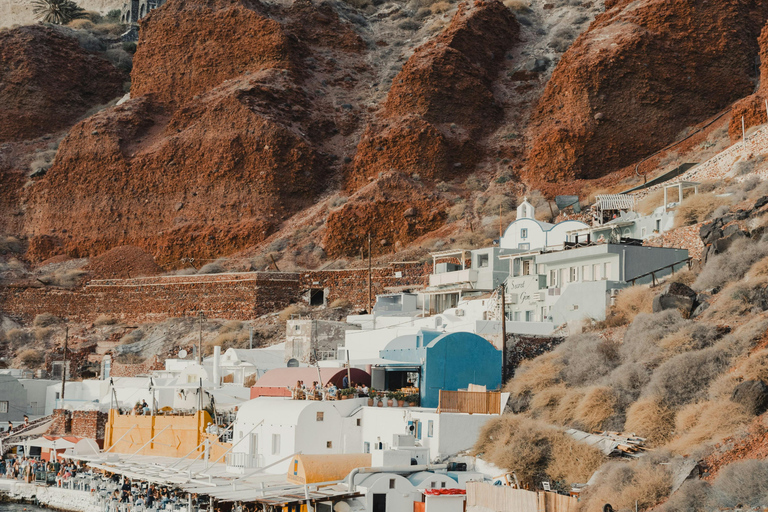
182 354
293 363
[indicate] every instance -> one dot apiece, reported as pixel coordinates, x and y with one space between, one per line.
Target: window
359 422
366 447
574 274
658 225
296 327
391 483
529 316
524 247
432 485
517 316
482 260
596 272
4 406
329 444
527 267
553 278
607 270
541 268
320 416
275 444
430 428
585 273
254 443
524 233
442 485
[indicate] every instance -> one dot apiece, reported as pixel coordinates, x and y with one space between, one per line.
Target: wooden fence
470 402
500 498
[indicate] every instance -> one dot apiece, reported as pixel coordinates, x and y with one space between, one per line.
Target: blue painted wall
451 361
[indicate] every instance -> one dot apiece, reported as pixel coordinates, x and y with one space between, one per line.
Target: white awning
615 202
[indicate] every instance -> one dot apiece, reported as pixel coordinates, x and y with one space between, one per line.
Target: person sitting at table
332 389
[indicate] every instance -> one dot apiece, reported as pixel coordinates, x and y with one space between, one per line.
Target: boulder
676 296
761 202
753 395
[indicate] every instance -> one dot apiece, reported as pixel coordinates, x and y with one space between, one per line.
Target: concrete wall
13 392
306 339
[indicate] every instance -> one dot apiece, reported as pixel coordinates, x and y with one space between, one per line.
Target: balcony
468 275
241 460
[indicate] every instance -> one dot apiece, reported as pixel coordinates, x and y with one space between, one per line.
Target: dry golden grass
545 401
650 202
686 277
535 375
755 366
535 450
81 24
572 461
697 208
687 417
650 418
566 408
285 314
440 7
759 269
103 320
633 301
517 5
623 483
722 387
716 420
596 407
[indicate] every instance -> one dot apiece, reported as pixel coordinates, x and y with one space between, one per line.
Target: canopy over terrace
200 477
278 381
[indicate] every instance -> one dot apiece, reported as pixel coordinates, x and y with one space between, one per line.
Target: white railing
468 275
244 460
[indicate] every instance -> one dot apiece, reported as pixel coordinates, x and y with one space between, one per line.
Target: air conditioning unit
511 298
613 301
553 291
615 292
574 307
459 312
539 296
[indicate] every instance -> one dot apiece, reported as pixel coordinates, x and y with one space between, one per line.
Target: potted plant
390 398
413 400
400 397
371 397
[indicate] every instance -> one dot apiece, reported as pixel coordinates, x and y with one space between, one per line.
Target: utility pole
500 227
64 364
201 317
250 335
503 334
370 305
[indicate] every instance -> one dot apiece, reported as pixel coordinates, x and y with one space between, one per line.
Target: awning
615 202
42 442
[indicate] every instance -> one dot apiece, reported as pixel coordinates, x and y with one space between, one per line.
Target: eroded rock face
753 395
752 108
442 101
642 73
219 143
394 210
47 82
676 296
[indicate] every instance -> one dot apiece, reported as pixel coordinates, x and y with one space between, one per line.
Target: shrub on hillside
341 304
634 300
231 326
42 333
622 484
627 382
565 412
104 320
535 375
536 451
132 337
650 202
408 25
18 337
707 422
697 208
693 336
686 377
693 496
211 268
32 358
731 265
595 408
9 244
517 6
651 418
440 7
742 484
285 314
45 320
641 341
586 358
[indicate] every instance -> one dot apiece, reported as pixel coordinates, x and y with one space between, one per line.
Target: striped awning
615 202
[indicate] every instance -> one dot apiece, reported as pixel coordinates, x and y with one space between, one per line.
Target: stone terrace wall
352 285
86 424
232 296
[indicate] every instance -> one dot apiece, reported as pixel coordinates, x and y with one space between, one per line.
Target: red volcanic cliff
47 82
642 73
442 101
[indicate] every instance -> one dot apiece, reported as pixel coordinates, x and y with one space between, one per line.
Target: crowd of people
27 469
319 392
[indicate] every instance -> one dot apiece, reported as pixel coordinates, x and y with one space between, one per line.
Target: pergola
680 186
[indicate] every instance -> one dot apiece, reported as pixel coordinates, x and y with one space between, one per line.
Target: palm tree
58 12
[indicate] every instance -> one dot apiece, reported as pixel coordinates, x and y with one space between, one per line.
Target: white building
268 431
526 233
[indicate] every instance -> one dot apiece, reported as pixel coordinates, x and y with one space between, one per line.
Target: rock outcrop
752 108
642 73
47 81
442 100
